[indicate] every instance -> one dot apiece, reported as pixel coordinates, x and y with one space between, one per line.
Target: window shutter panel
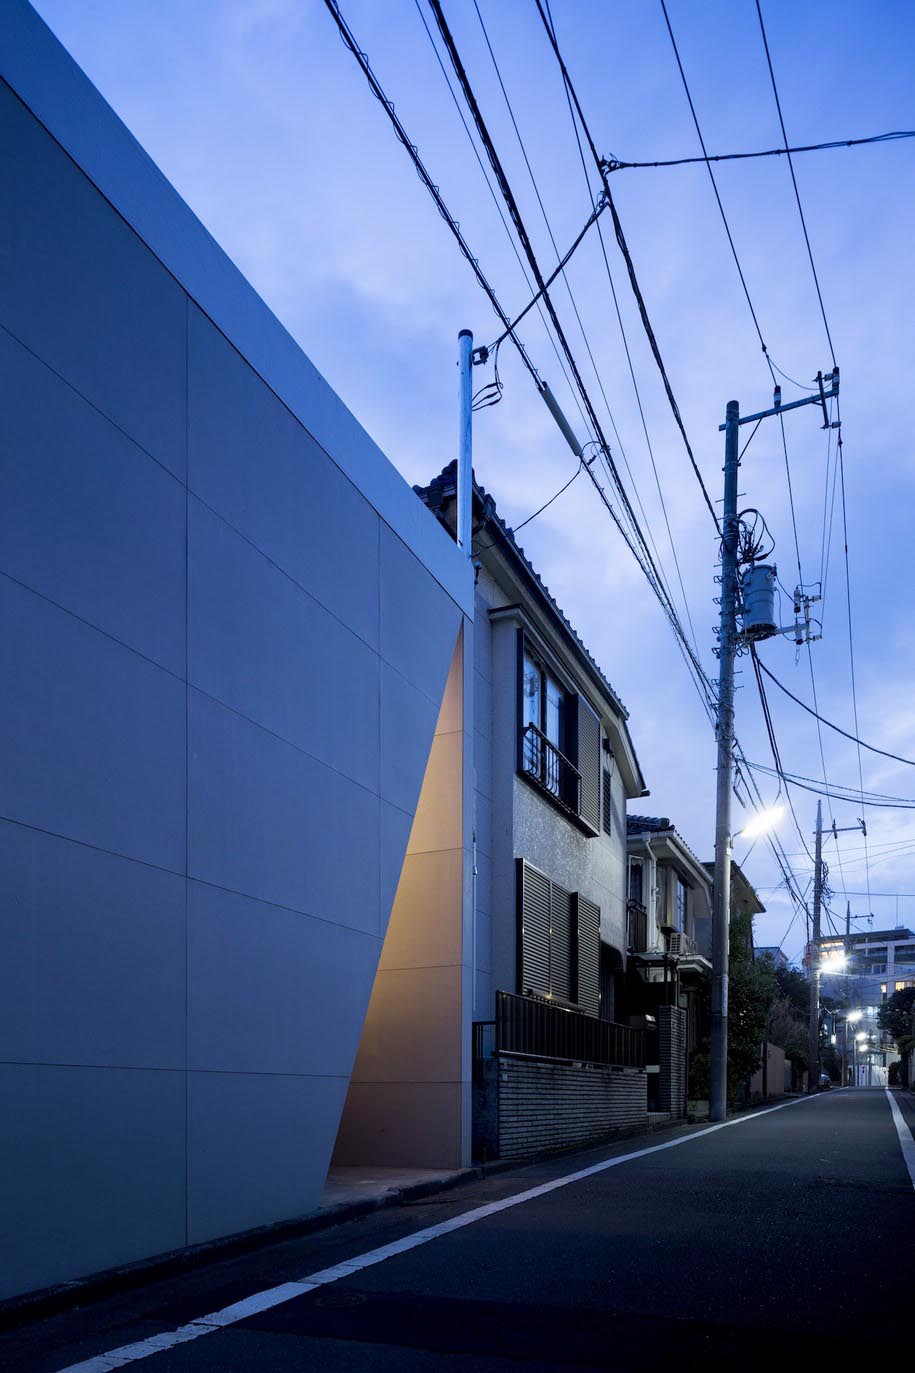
535 931
560 943
588 954
608 801
589 764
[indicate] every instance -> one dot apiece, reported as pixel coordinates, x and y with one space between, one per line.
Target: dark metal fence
524 1025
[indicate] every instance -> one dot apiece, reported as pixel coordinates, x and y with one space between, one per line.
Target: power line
630 266
614 164
837 792
597 205
844 732
797 194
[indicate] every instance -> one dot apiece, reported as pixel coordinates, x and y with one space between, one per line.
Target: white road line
906 1142
274 1296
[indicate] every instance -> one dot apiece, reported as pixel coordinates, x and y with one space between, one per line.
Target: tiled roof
642 824
444 488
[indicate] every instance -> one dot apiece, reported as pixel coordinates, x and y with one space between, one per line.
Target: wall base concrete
526 1106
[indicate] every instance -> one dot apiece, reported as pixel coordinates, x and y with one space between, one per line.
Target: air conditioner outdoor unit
676 944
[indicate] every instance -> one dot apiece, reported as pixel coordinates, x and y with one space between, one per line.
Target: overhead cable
615 164
872 748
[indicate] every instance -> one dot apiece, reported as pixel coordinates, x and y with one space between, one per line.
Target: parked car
825 1082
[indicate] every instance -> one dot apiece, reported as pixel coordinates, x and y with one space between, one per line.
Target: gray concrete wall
227 626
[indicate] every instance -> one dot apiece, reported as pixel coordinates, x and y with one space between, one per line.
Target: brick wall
672 1060
542 1104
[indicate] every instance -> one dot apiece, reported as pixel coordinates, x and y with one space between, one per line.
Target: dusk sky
264 123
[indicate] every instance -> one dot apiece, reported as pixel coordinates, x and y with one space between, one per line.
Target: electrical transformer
758 587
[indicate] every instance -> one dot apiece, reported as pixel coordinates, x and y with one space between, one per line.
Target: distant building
880 962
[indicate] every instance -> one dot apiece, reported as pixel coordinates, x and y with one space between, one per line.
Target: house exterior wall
513 820
228 625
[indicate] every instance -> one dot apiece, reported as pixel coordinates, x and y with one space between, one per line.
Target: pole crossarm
821 397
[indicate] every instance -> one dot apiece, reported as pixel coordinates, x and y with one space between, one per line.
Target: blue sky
261 119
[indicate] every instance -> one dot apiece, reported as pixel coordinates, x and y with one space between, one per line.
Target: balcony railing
524 1025
636 927
542 761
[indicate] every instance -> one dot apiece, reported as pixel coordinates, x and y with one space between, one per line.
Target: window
636 882
680 911
544 721
560 746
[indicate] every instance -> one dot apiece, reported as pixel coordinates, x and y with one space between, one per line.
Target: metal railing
525 1025
542 760
636 927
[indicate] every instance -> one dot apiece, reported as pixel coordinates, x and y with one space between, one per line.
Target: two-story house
669 945
554 766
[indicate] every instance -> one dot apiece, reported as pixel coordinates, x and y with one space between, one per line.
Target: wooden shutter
534 934
561 974
588 954
589 764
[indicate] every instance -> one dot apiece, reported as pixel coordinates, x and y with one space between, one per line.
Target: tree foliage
752 992
895 1015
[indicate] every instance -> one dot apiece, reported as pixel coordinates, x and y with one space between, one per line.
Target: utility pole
727 648
845 994
728 639
813 1035
464 482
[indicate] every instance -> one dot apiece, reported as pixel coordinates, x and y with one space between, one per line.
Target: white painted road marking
906 1142
274 1296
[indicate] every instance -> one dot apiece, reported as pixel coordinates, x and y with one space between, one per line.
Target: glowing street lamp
854 1016
835 963
762 822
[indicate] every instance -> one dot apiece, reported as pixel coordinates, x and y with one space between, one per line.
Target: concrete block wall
227 627
544 1104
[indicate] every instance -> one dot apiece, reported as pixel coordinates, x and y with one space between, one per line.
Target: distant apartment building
880 962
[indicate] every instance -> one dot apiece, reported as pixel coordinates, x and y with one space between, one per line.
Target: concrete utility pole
813 1036
727 648
465 443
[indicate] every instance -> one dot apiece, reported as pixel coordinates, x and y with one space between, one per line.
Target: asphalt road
787 1237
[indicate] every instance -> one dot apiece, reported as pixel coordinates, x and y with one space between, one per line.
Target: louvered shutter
608 801
535 930
588 960
589 764
561 977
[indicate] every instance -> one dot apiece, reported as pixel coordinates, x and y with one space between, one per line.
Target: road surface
786 1236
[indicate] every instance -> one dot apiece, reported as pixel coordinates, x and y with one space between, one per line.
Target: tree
751 993
896 1017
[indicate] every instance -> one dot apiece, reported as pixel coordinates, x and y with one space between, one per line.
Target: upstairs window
560 743
546 732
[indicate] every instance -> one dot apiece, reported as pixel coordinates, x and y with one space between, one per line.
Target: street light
835 963
761 822
854 1016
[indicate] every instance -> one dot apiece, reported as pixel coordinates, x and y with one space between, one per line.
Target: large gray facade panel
419 622
87 518
92 956
255 464
271 990
93 1170
260 644
92 735
408 720
80 289
396 825
269 821
259 1146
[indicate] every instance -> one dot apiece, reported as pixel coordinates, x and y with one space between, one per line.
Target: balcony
537 1029
542 763
636 927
